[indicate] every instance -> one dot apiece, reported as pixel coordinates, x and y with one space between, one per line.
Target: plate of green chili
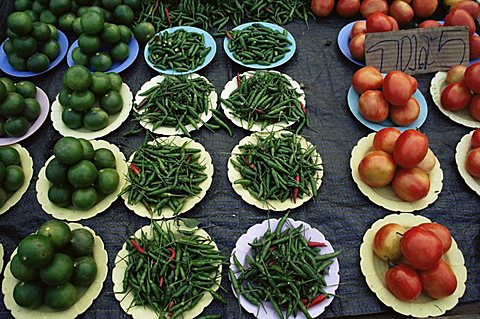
302 268
385 196
259 45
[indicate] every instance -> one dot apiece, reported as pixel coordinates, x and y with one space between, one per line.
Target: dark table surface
340 211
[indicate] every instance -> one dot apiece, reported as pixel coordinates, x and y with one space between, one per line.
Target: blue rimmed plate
116 67
285 59
209 42
7 68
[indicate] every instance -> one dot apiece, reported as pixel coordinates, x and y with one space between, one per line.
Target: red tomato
401 11
428 162
322 8
470 6
460 17
411 184
474 107
414 83
357 47
403 282
455 97
442 233
373 106
394 23
386 244
473 162
378 22
367 78
397 88
421 248
472 77
377 169
348 8
429 24
410 148
359 27
439 281
406 114
385 139
456 73
474 46
424 8
371 6
475 142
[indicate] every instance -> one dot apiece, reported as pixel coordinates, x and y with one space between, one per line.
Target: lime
88 151
32 109
78 78
84 198
64 97
8 46
24 46
3 90
84 271
13 104
56 172
60 6
58 271
16 126
47 16
82 100
107 181
111 33
53 32
14 178
61 297
9 156
126 34
104 158
29 294
95 119
26 89
123 14
101 61
112 102
38 62
100 83
68 150
79 57
19 23
134 4
3 170
32 14
77 26
65 22
51 49
82 10
40 31
89 43
82 242
22 5
60 195
22 272
110 4
82 174
115 81
72 119
38 7
35 251
92 22
8 84
119 51
144 31
97 9
17 62
57 231
3 197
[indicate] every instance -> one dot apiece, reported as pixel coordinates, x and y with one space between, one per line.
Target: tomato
401 11
403 282
359 27
406 114
410 148
470 6
475 141
429 24
428 162
456 74
421 248
397 87
367 78
472 77
473 162
394 23
460 17
322 8
474 47
385 139
411 184
414 83
474 107
442 233
373 106
348 8
378 22
357 47
386 243
377 169
424 8
371 6
439 281
455 97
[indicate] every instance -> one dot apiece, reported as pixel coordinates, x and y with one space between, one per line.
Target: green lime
97 9
57 231
82 242
92 22
12 105
51 49
61 297
89 43
16 126
3 170
82 100
104 158
95 119
79 57
35 251
53 32
14 178
47 16
64 97
84 271
3 197
82 174
115 81
22 272
41 32
72 119
32 14
100 83
60 6
82 10
38 62
77 26
110 4
24 46
101 61
20 23
126 34
68 150
56 172
32 109
144 31
88 151
9 156
8 84
17 62
60 195
78 78
38 7
107 181
111 33
26 89
134 4
8 46
29 294
65 22
112 102
119 52
123 14
84 198
3 89
58 271
22 5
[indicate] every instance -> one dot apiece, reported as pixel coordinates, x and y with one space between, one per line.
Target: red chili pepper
167 14
245 159
170 304
316 244
239 81
295 191
304 301
229 35
272 248
315 301
155 7
172 253
260 111
268 10
271 262
134 169
160 282
137 246
303 108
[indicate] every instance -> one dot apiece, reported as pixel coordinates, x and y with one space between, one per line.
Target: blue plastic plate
287 56
353 97
209 42
7 68
116 67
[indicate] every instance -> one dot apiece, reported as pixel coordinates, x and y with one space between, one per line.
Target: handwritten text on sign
418 51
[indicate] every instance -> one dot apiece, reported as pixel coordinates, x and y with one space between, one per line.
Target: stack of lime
88 99
31 45
80 175
51 264
11 173
19 107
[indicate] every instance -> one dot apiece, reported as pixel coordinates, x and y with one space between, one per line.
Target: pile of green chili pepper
266 98
180 50
277 168
164 175
177 101
171 270
258 44
285 269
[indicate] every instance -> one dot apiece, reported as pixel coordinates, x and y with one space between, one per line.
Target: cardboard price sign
418 51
